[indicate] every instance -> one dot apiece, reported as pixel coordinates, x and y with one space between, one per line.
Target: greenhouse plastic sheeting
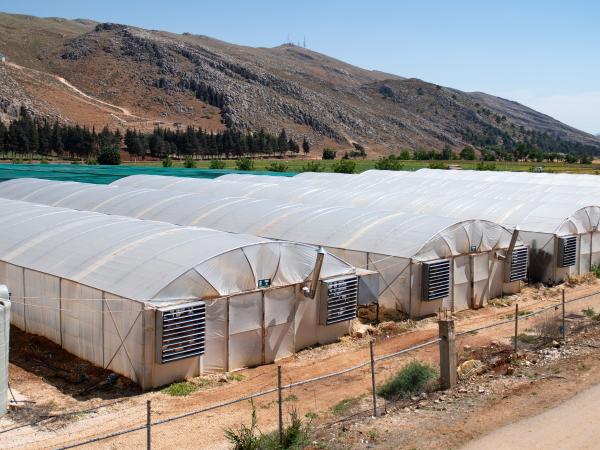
392 233
376 240
106 174
92 283
136 259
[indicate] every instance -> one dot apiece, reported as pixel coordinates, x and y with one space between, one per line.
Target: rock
481 390
463 390
469 368
555 344
467 348
423 395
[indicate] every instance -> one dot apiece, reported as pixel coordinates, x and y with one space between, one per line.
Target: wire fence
339 391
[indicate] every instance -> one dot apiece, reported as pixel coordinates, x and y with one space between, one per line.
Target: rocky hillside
129 77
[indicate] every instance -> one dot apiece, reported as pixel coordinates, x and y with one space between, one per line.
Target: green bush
217 164
110 156
485 166
596 270
414 378
167 162
311 166
180 389
344 166
244 164
189 163
329 153
391 162
437 165
295 436
91 162
277 167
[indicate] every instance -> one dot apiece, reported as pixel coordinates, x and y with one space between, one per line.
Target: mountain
108 74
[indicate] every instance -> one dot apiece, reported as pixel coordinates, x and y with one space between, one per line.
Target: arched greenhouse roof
390 233
503 204
146 260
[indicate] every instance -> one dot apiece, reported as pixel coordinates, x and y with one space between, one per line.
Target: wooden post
148 425
516 326
564 329
447 353
373 388
280 404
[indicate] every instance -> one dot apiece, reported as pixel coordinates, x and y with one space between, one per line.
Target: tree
329 153
110 156
244 164
467 153
405 155
305 146
282 142
391 162
344 166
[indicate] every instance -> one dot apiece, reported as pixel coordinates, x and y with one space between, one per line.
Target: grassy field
295 165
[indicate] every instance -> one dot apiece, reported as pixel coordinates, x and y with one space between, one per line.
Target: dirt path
571 425
109 107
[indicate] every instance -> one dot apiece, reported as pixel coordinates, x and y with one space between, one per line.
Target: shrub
296 435
277 167
438 165
180 389
414 378
344 166
311 166
391 162
217 164
189 163
244 164
404 155
91 162
596 270
485 166
329 153
110 156
167 162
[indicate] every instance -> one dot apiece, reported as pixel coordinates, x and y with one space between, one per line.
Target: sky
544 54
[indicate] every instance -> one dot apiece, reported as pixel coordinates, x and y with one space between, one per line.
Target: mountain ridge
187 79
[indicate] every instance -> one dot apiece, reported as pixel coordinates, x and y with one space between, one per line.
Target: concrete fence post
447 353
373 387
148 425
280 404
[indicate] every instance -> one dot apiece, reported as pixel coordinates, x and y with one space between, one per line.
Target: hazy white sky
543 53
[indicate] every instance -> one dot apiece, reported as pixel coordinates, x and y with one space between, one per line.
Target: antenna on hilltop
304 42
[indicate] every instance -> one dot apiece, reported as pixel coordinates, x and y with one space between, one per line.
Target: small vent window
518 264
339 297
567 251
436 279
181 332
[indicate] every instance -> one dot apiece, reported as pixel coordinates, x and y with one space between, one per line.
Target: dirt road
571 425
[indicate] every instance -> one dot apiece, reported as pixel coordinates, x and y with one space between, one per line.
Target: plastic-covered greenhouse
157 302
561 231
406 249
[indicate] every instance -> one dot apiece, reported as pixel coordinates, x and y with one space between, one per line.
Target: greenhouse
552 226
407 250
157 302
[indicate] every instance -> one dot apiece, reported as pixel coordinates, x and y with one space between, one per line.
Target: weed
590 313
343 406
291 398
596 270
414 378
311 415
373 435
295 436
180 389
501 302
526 338
235 377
